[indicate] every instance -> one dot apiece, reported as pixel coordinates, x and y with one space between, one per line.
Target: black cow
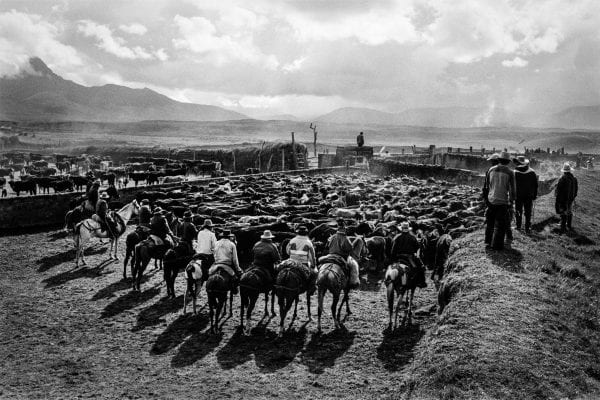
23 186
110 177
79 182
5 171
62 185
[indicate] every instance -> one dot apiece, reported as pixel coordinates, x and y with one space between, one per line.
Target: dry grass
522 323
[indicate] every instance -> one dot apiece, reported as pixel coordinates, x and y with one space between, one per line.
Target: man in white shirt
205 244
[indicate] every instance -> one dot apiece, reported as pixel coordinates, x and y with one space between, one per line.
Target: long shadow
76 273
66 256
270 352
54 236
397 348
371 281
177 331
128 301
508 259
195 348
151 316
322 350
115 287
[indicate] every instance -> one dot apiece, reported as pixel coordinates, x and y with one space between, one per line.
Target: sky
309 57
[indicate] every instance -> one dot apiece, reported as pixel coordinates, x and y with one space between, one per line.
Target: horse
379 247
131 240
89 228
400 279
196 273
289 285
332 277
143 253
175 260
217 287
253 282
442 249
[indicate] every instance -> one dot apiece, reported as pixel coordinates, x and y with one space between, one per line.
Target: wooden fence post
294 155
283 159
233 156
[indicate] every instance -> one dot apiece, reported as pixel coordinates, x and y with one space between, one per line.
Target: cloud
111 44
161 54
134 29
200 36
25 35
516 62
294 65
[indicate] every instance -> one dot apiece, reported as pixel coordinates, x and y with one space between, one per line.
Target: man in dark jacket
566 192
188 231
494 160
145 214
104 218
500 199
360 140
405 246
526 187
265 254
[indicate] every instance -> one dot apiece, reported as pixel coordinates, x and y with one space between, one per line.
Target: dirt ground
78 333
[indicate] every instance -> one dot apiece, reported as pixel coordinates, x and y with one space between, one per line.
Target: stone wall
424 171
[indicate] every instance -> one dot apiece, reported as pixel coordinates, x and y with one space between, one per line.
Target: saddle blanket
213 270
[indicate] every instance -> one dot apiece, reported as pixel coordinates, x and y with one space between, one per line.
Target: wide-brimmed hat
505 155
302 230
104 196
207 223
521 161
566 167
493 157
267 235
405 227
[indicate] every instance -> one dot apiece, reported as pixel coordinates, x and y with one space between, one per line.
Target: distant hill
279 117
42 95
466 117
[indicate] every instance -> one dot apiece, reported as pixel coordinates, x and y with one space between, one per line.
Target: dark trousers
523 205
496 225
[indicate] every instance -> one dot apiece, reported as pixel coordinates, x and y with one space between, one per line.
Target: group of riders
162 230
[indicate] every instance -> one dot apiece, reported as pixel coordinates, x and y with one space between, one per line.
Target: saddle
233 280
337 260
309 276
263 273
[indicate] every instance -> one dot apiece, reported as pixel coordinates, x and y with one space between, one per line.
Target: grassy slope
522 323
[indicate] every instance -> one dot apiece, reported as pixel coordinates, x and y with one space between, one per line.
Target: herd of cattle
75 173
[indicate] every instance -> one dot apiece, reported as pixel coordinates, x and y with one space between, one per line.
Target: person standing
500 198
566 192
526 187
360 140
494 160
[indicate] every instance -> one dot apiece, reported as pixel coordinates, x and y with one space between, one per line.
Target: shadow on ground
508 259
195 348
77 273
271 353
322 350
177 331
371 281
397 348
117 286
66 256
153 314
128 301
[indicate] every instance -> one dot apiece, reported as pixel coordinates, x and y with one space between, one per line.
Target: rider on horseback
160 230
265 254
145 214
103 217
188 231
92 196
302 250
226 258
405 247
339 245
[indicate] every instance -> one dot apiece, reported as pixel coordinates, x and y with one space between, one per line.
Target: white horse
89 228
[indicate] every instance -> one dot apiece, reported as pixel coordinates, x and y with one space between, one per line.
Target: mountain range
41 95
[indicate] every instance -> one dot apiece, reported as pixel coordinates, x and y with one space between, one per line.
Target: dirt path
68 332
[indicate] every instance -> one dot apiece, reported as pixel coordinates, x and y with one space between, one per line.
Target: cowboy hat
267 235
145 201
404 227
302 230
207 223
104 196
494 156
505 155
521 160
566 167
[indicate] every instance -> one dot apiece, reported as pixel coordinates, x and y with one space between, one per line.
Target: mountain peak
39 66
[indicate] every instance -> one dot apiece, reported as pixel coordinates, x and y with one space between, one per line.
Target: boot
563 223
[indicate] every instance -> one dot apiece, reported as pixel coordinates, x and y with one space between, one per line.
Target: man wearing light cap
406 246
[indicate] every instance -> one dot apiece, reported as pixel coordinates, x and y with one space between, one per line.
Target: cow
138 176
44 184
109 177
63 166
5 172
40 164
79 182
62 185
23 186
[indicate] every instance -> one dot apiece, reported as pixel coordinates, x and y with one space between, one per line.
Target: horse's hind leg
116 248
282 312
273 303
127 255
334 303
230 303
251 304
390 300
308 306
410 304
321 296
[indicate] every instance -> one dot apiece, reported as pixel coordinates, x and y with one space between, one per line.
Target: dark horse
254 281
175 260
434 253
131 240
217 287
144 252
290 283
400 279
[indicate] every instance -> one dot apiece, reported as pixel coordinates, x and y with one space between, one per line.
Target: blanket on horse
262 273
307 275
